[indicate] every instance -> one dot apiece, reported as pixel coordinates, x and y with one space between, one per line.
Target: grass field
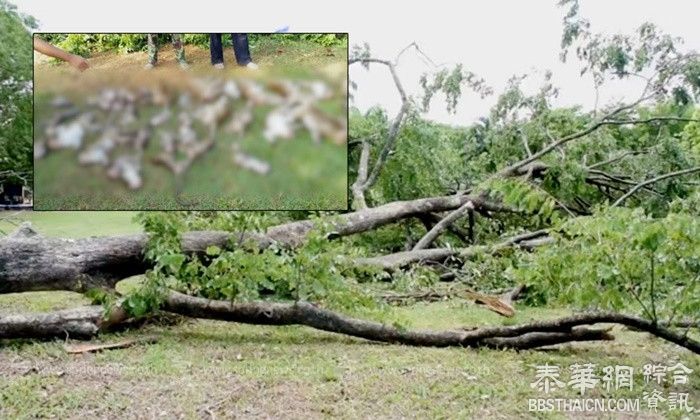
209 369
303 175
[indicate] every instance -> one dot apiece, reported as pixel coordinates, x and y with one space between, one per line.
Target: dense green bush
15 97
621 259
316 271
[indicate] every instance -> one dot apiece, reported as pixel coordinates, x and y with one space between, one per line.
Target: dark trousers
240 49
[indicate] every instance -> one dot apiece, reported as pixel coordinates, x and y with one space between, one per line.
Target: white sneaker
252 66
149 66
219 66
184 65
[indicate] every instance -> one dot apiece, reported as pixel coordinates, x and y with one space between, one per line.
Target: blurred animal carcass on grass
174 139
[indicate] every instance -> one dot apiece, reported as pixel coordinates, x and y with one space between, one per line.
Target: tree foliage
15 97
88 44
316 271
621 259
566 188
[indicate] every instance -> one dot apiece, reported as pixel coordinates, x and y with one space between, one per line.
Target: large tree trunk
31 262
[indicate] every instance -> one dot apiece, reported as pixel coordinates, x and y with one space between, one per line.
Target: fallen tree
502 185
62 264
88 321
33 262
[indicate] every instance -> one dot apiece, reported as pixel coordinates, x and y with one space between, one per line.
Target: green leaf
213 250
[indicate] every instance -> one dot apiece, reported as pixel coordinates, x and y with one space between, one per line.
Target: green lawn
72 224
202 368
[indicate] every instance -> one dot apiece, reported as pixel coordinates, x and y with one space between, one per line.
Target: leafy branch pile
239 270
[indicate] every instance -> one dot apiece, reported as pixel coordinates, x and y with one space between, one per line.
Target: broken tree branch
83 323
371 218
91 348
360 189
618 158
436 230
512 169
652 181
525 336
398 260
87 322
357 187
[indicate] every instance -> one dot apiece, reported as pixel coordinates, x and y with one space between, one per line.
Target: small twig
618 158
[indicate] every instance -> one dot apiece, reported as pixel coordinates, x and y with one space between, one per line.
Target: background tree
15 96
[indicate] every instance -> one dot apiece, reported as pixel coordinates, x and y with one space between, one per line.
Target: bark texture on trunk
32 262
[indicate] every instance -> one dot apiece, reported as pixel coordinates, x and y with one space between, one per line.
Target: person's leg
216 50
241 49
179 49
152 50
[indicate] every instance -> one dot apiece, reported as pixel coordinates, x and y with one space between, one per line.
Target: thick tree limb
372 218
620 179
88 321
357 187
430 219
397 260
304 313
83 322
590 319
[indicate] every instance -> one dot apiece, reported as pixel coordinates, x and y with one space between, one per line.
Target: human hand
79 62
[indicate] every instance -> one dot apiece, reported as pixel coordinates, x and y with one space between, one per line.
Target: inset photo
233 121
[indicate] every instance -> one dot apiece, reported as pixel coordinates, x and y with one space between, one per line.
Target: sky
496 39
